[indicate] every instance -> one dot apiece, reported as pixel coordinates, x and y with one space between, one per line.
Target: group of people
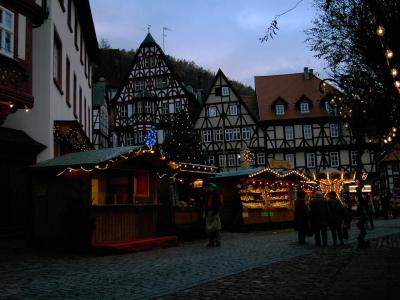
319 216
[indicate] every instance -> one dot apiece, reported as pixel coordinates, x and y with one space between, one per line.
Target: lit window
310 159
260 158
280 109
207 136
233 109
218 135
307 131
212 111
225 91
6 32
246 133
304 107
353 157
334 130
334 159
222 160
289 132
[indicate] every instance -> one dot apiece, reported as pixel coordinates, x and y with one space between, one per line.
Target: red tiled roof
289 87
251 103
393 155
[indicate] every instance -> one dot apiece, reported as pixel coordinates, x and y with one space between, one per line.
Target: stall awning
237 173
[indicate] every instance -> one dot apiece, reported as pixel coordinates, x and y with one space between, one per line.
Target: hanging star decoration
151 138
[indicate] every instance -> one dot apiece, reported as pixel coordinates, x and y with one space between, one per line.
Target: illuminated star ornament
151 138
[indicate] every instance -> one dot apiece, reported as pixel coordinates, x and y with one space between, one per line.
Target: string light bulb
394 72
27 109
380 31
397 84
389 54
11 105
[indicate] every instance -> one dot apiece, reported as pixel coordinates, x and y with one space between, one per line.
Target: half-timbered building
100 132
228 127
150 96
301 127
389 172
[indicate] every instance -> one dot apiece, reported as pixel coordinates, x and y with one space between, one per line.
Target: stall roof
237 173
92 157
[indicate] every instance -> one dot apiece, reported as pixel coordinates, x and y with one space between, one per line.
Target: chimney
306 75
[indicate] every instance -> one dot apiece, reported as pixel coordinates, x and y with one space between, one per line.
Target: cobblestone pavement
156 273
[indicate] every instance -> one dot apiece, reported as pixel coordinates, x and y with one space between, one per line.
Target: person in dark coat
336 216
319 219
213 205
301 217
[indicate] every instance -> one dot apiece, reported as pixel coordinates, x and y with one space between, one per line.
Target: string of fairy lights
389 55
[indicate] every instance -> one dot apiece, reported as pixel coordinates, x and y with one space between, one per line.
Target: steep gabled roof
240 99
393 155
290 87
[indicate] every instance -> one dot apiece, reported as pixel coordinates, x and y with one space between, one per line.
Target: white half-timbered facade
149 97
228 127
301 127
100 130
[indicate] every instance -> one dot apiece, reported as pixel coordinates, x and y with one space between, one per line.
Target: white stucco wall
50 104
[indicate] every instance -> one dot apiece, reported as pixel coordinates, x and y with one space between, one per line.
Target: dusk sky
215 33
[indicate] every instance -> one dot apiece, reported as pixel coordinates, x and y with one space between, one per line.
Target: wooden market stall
262 196
99 196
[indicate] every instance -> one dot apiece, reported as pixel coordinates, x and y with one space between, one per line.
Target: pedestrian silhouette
319 219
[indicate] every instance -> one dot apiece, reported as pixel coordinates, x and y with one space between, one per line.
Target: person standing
213 205
336 216
301 217
319 219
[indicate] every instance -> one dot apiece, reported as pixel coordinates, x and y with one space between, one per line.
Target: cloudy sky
214 33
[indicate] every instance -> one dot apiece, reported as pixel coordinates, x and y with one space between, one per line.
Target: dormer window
328 107
280 109
304 107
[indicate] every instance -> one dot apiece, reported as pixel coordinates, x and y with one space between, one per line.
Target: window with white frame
334 159
353 157
334 130
289 132
218 137
289 157
222 160
233 109
260 158
304 107
139 85
139 107
232 159
225 91
148 107
124 111
228 134
328 107
165 108
211 160
6 32
140 136
129 139
178 106
310 160
161 83
307 131
236 134
212 111
280 109
246 133
207 136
